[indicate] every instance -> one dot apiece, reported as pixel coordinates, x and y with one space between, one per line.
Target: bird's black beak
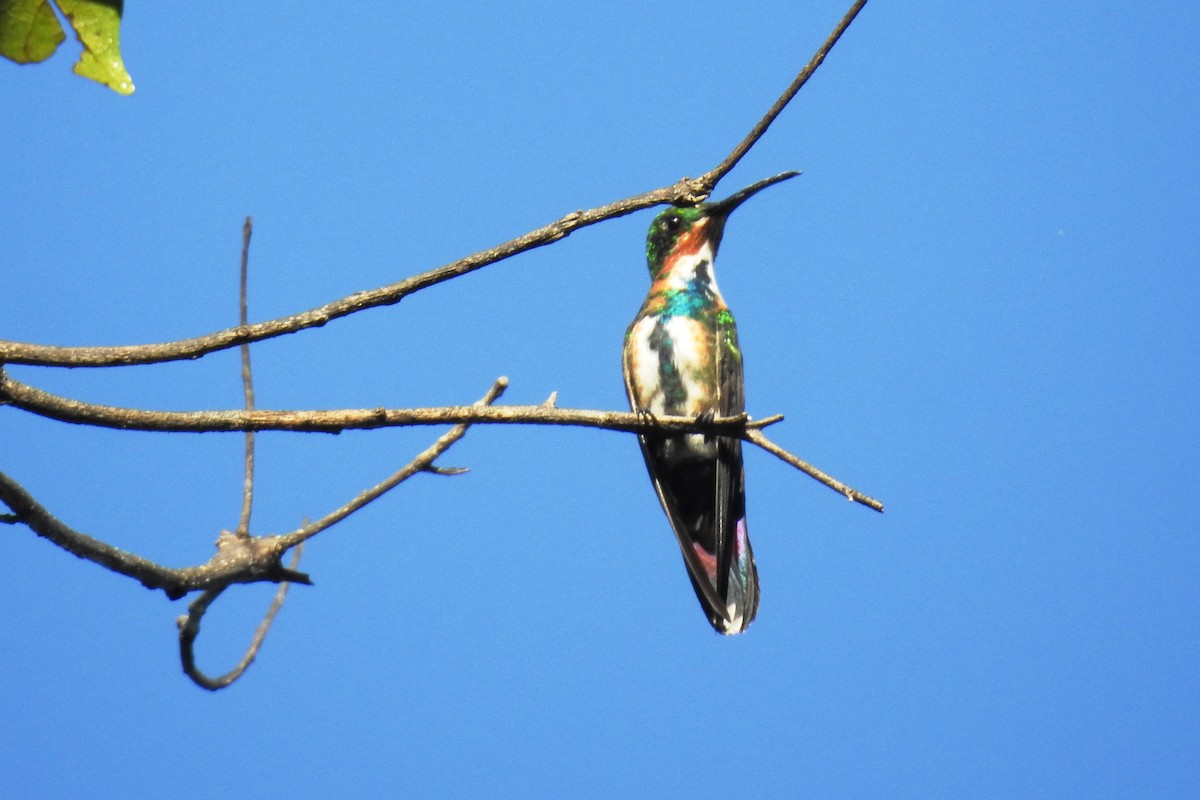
726 206
719 212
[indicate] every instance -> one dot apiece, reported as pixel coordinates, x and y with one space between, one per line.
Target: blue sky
979 304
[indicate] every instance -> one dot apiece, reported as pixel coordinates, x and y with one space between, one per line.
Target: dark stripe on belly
669 379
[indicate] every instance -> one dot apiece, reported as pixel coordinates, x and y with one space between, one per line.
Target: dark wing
737 577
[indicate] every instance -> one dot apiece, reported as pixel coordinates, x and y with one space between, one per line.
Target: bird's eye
673 223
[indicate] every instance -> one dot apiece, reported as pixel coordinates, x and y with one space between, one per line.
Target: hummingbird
681 358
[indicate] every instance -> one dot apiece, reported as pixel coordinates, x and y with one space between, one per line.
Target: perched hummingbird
681 358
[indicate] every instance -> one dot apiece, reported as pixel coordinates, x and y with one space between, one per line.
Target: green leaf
98 26
30 32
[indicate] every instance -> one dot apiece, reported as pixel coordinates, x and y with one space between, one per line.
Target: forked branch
239 559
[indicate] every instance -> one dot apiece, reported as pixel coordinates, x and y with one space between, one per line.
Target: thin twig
686 191
711 178
243 528
850 493
189 629
422 463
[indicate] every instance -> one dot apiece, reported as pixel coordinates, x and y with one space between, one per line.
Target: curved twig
189 629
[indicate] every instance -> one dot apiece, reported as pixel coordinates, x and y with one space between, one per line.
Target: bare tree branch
36 401
686 191
175 583
238 559
45 404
